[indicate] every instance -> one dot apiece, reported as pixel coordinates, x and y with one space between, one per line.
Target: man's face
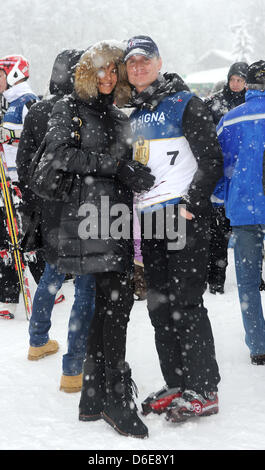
237 83
142 71
3 82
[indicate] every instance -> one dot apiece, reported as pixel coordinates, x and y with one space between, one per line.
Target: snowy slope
35 415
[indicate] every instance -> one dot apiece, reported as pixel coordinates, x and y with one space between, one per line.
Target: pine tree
243 44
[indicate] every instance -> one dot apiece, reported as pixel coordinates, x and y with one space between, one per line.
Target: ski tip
6 315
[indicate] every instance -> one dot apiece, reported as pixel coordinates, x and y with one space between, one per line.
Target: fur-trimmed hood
101 55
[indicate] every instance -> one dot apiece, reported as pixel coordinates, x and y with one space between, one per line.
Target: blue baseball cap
141 45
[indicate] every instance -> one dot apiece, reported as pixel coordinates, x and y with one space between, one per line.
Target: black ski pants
9 282
175 286
108 329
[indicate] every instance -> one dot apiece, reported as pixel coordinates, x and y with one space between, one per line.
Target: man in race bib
173 133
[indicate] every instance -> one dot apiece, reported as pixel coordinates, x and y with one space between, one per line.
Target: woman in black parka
80 236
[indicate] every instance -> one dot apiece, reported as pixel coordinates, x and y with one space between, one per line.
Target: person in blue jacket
241 133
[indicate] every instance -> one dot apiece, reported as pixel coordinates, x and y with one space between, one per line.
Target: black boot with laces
120 411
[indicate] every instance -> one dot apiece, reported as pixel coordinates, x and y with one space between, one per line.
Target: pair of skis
13 232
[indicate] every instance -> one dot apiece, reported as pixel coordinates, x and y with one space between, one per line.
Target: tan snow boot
36 353
71 383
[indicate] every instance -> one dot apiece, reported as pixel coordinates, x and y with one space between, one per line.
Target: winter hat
256 75
141 45
98 56
238 68
62 77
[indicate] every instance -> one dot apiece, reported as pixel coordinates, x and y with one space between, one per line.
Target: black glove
135 175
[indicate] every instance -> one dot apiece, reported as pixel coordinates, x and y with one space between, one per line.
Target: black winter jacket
35 124
97 192
104 129
223 101
34 130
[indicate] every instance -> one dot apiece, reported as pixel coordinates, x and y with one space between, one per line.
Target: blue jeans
248 263
79 321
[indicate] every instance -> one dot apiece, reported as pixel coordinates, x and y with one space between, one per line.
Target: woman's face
107 79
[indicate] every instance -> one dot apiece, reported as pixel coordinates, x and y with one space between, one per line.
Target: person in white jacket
14 86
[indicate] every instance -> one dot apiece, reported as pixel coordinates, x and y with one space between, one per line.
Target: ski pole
13 232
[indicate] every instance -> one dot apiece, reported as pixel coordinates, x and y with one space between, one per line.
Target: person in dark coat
92 231
61 83
231 95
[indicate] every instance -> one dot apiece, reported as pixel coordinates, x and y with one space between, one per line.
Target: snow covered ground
35 415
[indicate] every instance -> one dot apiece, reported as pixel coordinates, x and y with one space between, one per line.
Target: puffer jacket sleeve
200 132
217 106
33 132
63 152
26 149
